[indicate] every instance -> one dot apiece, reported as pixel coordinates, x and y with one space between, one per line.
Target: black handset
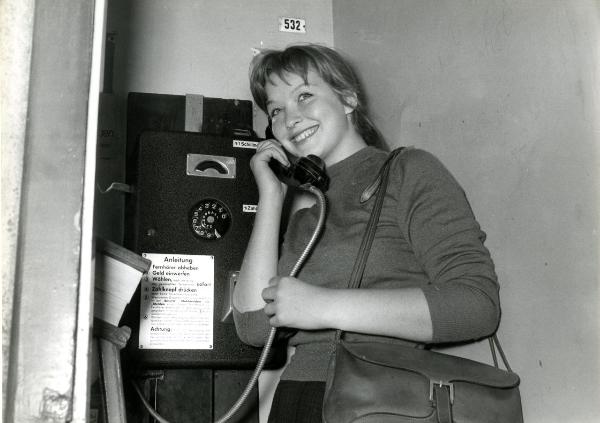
303 170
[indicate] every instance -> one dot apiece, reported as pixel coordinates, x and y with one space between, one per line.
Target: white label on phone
245 144
177 302
249 208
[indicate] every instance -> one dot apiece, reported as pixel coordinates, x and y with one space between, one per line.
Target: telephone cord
268 344
322 202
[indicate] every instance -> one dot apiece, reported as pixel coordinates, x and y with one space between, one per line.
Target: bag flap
435 366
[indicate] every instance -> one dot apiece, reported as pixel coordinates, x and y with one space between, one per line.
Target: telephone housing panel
194 196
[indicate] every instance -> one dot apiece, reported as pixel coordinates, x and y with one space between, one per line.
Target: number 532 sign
292 25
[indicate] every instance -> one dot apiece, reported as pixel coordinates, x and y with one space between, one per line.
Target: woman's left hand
294 303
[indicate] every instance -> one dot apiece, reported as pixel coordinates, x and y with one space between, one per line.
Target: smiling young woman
429 278
308 117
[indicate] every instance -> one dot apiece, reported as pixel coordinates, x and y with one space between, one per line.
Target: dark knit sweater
427 237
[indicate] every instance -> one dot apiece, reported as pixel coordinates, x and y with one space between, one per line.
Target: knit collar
350 163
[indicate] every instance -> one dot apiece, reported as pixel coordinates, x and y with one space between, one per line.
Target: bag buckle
440 383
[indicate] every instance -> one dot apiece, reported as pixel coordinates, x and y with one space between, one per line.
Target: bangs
276 63
287 64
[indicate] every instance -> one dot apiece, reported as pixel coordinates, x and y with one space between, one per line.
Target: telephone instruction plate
177 302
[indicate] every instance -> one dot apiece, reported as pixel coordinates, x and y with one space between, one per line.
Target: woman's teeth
305 134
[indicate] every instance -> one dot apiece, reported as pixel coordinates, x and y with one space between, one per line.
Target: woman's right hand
266 181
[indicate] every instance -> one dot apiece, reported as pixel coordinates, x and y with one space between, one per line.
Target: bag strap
495 343
379 187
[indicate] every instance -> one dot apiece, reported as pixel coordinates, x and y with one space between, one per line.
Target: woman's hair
329 65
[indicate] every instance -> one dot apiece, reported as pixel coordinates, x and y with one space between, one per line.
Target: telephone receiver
309 170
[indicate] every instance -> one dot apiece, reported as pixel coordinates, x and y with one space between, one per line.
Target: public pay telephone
194 210
195 201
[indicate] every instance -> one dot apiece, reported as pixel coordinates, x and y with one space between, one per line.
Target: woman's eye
274 113
304 96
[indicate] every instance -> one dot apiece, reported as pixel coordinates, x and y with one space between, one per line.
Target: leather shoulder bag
389 383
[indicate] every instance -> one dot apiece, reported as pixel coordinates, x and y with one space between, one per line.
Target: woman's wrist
272 197
329 316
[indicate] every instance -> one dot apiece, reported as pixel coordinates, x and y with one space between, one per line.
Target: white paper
177 302
108 307
116 277
115 284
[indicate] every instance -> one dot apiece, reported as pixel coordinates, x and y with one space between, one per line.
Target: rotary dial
210 219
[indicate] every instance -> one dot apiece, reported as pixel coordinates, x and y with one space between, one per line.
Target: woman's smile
305 134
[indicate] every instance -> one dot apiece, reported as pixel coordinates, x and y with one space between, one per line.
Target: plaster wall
507 95
204 47
16 25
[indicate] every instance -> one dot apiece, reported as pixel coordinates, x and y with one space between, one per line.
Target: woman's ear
350 102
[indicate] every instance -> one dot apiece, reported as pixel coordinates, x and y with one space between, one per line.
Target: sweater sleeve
437 221
252 327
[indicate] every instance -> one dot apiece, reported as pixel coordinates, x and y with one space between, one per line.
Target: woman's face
309 118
